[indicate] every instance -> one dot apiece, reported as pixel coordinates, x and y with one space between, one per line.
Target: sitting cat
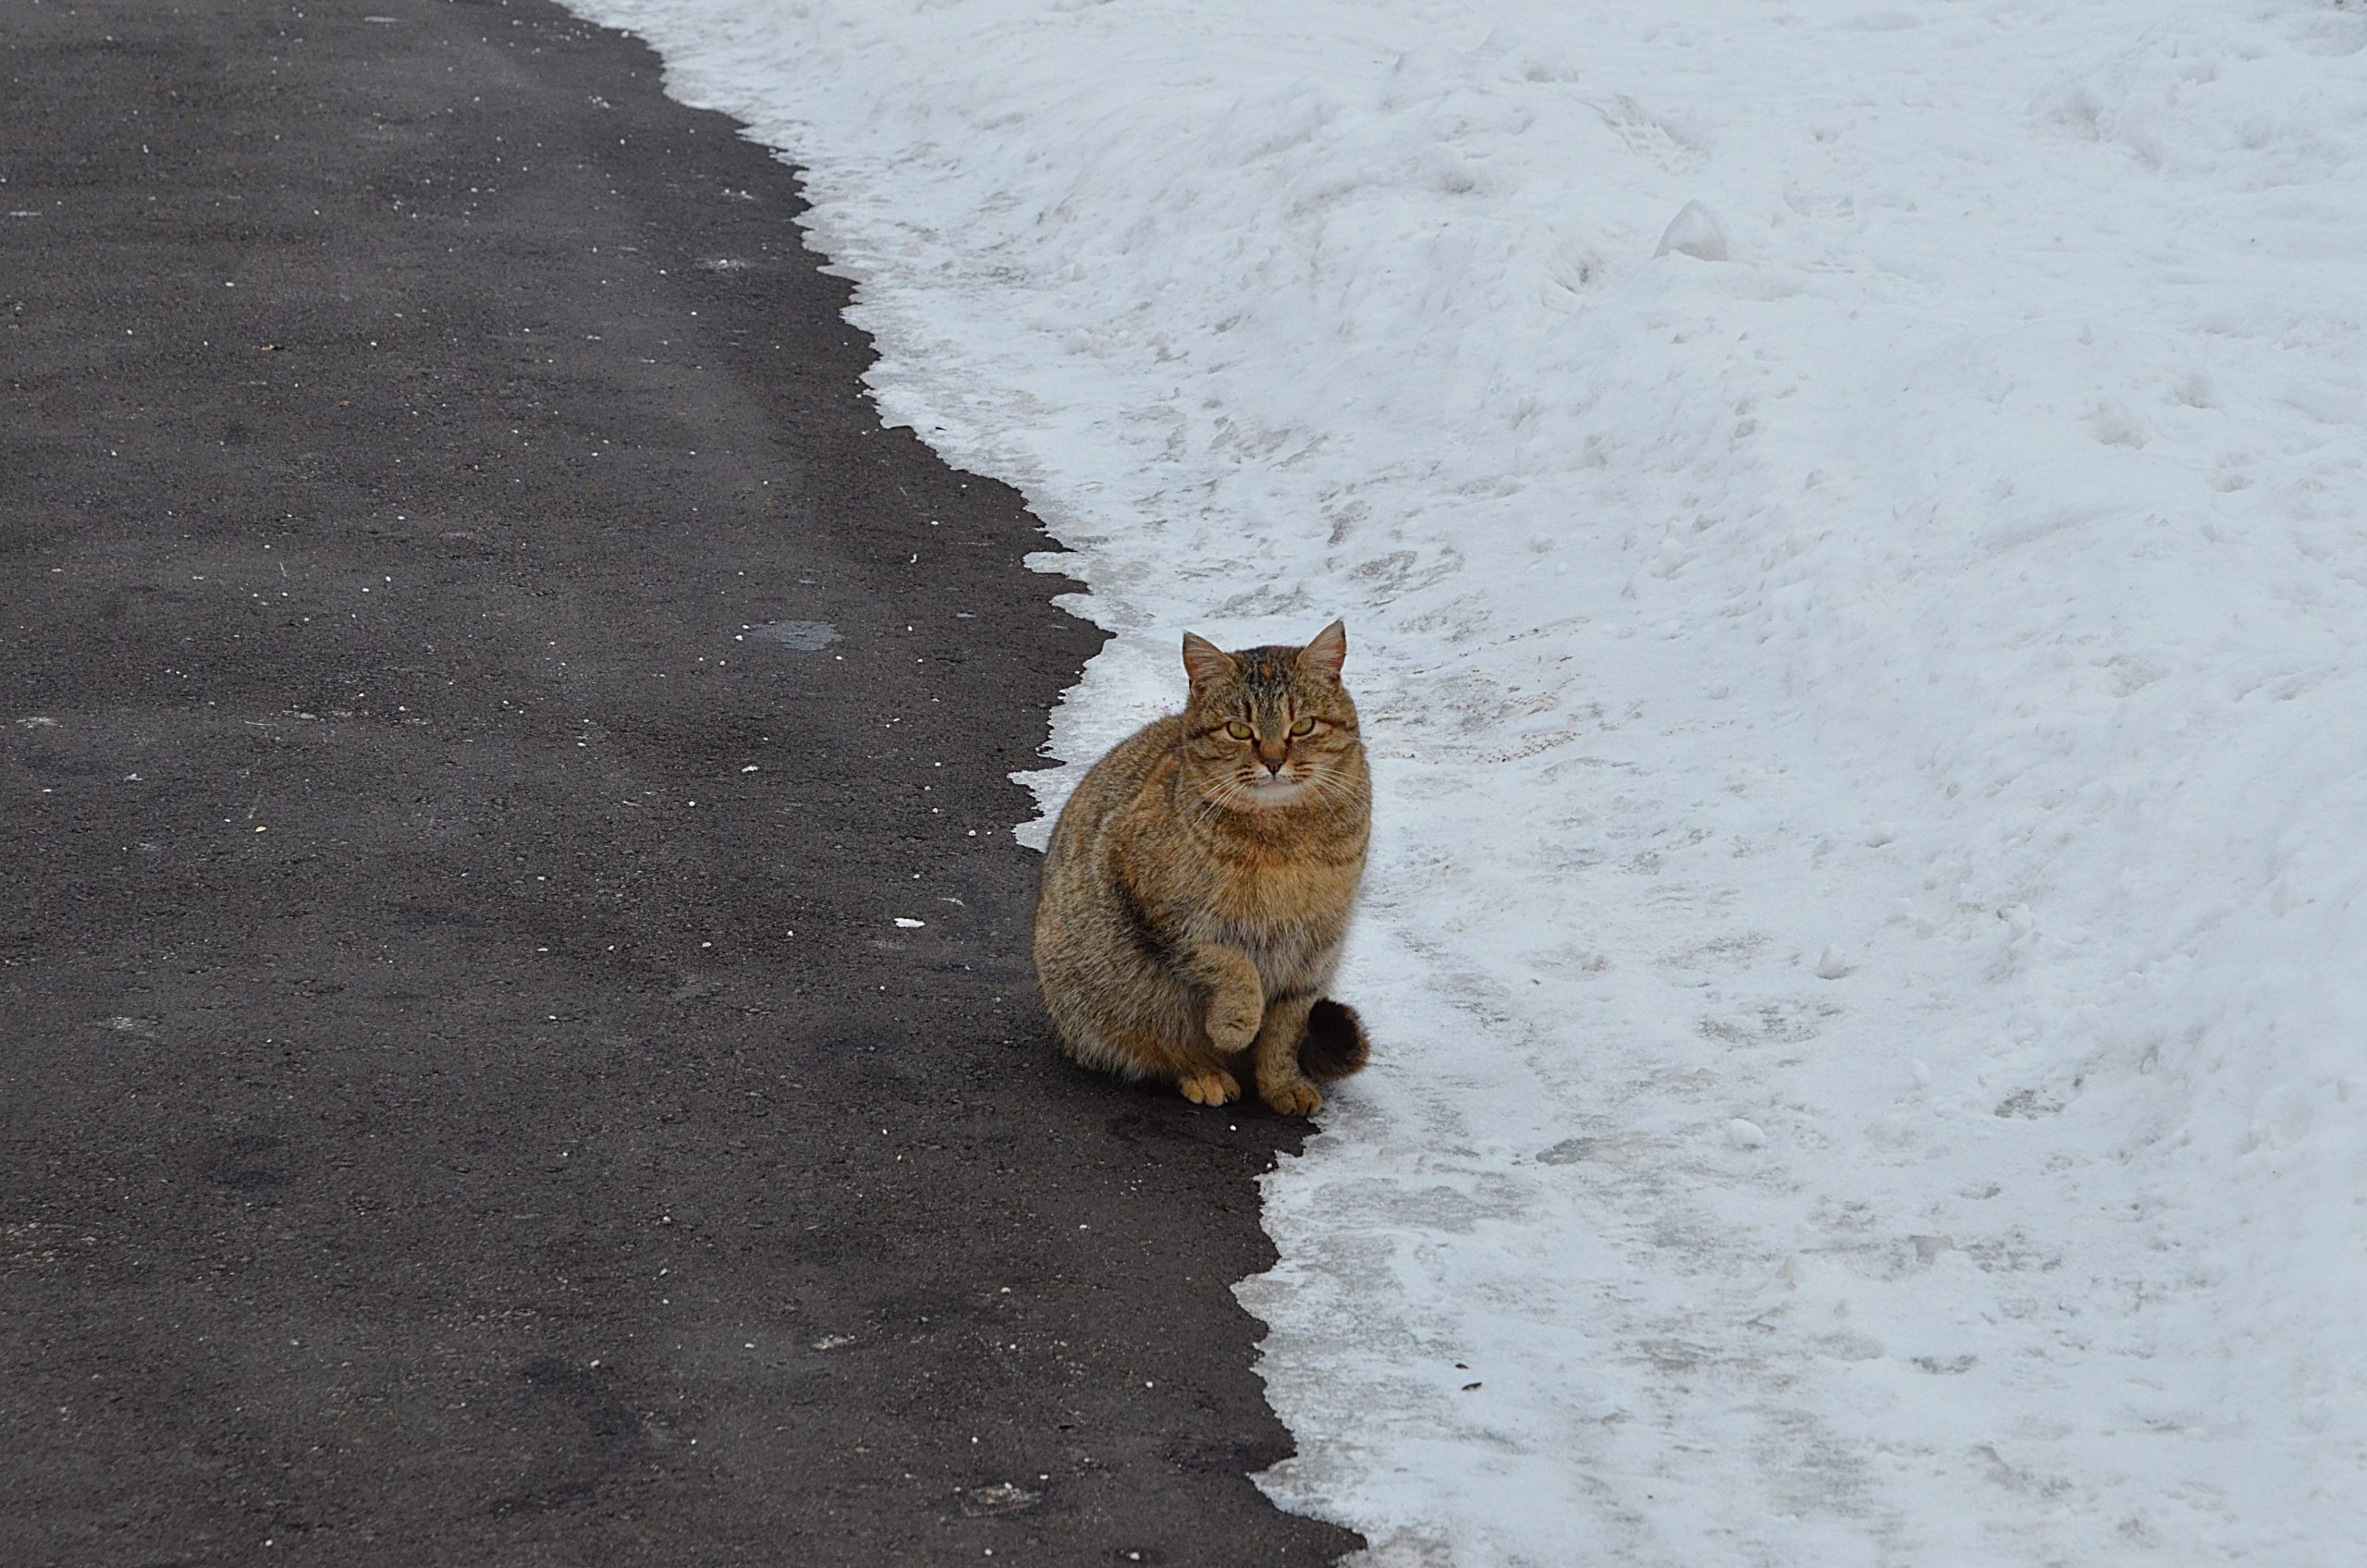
1199 882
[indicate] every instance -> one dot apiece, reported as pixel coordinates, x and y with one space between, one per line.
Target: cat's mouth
1274 789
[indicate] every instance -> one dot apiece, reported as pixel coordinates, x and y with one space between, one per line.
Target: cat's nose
1275 764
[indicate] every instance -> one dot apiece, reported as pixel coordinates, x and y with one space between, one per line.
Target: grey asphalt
482 706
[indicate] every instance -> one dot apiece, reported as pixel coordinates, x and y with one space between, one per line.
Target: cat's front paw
1219 1087
1232 1023
1294 1097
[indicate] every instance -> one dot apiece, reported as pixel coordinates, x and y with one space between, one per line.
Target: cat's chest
1282 911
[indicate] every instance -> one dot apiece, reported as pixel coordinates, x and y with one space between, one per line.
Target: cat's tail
1334 1045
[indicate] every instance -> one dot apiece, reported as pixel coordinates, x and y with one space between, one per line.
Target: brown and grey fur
1198 884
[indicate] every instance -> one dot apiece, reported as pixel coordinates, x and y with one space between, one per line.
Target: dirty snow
1850 522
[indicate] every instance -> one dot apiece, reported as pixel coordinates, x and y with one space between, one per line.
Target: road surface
516 1044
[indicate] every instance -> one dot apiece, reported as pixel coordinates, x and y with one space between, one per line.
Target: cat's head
1270 727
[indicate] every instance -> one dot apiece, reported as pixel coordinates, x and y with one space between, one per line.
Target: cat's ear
1327 652
1203 660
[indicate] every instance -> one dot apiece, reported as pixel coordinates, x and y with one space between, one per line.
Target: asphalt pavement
516 1038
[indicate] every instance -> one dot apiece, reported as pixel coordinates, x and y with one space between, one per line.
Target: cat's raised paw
1232 1022
1297 1097
1210 1088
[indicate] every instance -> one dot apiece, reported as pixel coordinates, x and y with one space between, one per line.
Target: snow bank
1851 524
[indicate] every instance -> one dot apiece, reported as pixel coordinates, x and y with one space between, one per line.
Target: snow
1849 522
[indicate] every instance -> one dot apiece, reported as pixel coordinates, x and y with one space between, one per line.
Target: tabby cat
1199 882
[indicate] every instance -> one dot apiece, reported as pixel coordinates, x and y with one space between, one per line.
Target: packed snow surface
1852 519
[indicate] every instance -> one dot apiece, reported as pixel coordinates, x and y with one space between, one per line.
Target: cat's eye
1238 731
1303 726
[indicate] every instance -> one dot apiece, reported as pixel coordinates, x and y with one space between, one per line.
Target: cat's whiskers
1354 785
1218 798
1334 786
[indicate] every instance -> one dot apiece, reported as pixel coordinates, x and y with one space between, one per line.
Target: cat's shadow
1151 1113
